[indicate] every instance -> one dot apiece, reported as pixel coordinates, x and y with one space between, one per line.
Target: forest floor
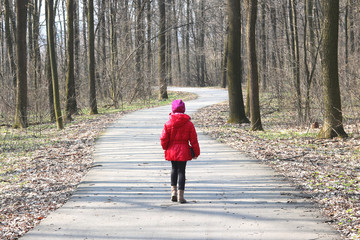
40 167
325 170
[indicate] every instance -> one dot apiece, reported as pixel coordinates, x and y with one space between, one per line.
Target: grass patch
283 135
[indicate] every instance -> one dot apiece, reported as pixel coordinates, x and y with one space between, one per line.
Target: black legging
178 171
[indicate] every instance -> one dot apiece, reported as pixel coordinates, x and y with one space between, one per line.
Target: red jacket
175 138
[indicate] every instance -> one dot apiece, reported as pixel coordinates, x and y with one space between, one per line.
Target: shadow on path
230 195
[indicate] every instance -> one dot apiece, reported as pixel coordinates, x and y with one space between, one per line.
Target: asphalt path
230 195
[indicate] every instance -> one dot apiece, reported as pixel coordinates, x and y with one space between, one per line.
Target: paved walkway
231 196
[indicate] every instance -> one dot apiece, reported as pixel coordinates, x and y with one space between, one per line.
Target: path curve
231 196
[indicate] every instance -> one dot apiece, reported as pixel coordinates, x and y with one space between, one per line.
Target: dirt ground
326 170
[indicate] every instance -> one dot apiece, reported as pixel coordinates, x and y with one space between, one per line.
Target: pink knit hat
178 106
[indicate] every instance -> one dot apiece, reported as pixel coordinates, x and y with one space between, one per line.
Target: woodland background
126 53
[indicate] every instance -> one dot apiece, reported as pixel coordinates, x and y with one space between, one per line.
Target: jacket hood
179 119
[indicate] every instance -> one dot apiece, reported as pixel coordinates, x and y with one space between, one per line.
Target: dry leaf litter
328 171
325 170
33 185
42 167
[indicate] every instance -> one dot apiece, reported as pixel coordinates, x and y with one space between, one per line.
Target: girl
175 138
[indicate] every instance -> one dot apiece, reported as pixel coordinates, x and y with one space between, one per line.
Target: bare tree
36 34
21 120
91 58
162 52
202 64
234 76
48 67
149 47
53 63
251 15
295 56
139 45
113 54
70 105
225 59
168 37
10 40
264 42
175 20
333 126
187 43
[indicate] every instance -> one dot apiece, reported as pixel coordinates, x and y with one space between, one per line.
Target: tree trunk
9 41
333 126
169 25
202 45
48 69
70 105
295 57
36 34
255 117
55 82
113 54
187 43
139 36
103 38
127 30
3 62
21 60
349 37
309 47
264 46
234 76
177 43
149 48
76 42
91 58
162 52
276 61
247 102
84 33
30 46
63 33
225 59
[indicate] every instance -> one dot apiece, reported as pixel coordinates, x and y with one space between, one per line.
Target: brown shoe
181 196
173 193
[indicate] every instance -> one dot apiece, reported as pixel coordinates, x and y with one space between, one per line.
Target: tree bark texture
264 42
36 34
53 64
202 45
149 63
76 42
70 105
139 42
162 52
225 60
48 70
175 20
168 36
21 120
9 41
113 55
187 44
91 59
251 15
295 57
333 126
234 76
